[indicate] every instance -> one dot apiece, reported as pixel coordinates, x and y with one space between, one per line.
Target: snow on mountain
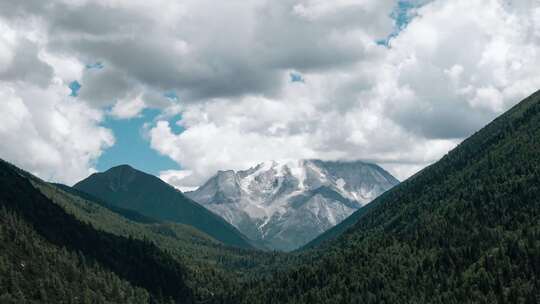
285 204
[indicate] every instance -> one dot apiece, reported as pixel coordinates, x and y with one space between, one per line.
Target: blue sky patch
176 128
132 148
96 65
403 13
296 77
74 86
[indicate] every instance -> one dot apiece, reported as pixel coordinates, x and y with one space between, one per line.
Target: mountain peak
122 167
285 203
122 170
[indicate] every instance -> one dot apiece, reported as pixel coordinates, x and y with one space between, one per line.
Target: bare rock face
286 204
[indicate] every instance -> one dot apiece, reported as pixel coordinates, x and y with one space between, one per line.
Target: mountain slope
211 268
33 270
337 230
286 204
138 262
464 230
127 213
127 188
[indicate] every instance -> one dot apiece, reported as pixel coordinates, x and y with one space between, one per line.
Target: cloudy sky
184 88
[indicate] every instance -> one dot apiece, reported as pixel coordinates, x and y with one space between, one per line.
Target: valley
270 152
464 229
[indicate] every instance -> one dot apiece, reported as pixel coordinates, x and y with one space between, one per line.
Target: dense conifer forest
34 271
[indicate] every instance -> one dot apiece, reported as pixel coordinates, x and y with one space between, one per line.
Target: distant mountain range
285 204
127 188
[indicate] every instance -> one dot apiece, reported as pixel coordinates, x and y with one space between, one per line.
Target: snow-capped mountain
286 204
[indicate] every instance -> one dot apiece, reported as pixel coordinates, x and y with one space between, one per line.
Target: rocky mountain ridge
285 204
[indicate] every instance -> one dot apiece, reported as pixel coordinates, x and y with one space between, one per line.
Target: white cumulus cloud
43 130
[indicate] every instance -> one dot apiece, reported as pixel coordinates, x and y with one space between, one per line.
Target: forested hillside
464 230
128 188
212 269
35 271
101 235
138 262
